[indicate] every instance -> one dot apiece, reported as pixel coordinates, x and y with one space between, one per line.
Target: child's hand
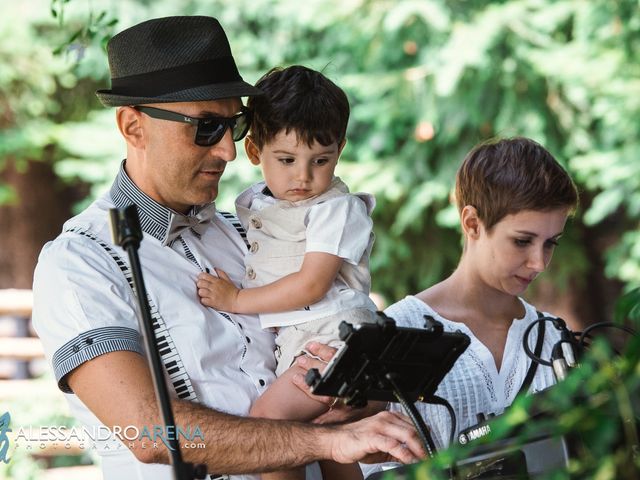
217 292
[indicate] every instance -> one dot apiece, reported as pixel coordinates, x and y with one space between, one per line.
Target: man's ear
252 150
129 122
470 222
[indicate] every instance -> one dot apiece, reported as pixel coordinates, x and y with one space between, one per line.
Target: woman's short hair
505 176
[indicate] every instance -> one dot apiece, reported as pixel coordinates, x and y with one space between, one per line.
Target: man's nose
225 149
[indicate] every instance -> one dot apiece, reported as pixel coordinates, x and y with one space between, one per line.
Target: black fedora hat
172 59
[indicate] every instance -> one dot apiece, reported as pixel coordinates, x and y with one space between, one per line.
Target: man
178 92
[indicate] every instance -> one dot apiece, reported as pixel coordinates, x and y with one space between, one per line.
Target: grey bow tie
195 221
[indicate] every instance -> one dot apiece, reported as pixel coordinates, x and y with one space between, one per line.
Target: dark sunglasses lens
210 133
241 126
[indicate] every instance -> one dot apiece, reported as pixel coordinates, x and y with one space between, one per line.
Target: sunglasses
209 130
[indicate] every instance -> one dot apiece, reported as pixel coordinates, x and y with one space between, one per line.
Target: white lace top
474 385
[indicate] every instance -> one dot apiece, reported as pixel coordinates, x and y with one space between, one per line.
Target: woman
514 199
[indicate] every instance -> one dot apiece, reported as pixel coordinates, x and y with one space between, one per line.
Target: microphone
563 355
558 362
125 227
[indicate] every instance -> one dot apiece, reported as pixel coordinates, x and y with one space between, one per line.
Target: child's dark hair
302 100
502 177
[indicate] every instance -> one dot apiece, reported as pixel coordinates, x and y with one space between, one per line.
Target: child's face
294 170
518 248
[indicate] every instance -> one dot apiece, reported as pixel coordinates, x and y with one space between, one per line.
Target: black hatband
182 77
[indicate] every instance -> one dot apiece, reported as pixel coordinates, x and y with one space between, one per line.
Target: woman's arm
296 290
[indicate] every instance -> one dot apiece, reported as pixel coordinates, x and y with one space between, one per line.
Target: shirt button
76 348
89 341
255 222
251 274
254 247
261 382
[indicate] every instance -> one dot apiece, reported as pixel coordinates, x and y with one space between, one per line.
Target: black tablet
416 359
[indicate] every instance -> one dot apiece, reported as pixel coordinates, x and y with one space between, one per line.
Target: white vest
277 245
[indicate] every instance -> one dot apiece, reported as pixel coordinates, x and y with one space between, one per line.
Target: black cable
578 339
416 418
435 400
557 322
585 333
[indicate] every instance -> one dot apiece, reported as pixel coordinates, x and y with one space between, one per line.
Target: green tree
39 92
427 80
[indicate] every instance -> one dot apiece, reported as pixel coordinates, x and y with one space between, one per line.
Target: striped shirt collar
155 219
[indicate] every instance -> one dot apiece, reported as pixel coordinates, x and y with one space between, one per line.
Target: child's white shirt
280 233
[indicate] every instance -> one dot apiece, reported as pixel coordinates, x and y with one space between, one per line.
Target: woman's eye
522 242
551 243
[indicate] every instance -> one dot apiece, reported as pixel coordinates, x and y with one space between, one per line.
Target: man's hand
217 292
338 412
384 437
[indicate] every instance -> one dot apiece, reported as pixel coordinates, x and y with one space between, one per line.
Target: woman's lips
524 281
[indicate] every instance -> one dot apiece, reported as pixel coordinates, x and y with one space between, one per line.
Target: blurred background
427 80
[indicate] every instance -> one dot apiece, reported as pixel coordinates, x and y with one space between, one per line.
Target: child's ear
341 146
252 150
470 222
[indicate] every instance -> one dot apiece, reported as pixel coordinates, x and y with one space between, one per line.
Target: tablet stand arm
414 415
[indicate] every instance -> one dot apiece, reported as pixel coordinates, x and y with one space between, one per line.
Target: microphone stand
126 233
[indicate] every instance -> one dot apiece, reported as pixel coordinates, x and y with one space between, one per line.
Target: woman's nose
537 260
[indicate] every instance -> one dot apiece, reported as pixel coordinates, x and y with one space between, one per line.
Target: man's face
178 173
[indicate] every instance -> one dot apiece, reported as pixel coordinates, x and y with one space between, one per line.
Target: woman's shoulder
409 312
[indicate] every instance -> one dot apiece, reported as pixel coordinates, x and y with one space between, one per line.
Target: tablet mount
380 361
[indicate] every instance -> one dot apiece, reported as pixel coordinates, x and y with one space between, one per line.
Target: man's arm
117 388
296 290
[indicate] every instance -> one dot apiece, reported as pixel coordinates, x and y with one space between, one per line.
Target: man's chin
206 198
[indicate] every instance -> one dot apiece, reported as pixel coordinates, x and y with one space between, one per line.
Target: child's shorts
291 340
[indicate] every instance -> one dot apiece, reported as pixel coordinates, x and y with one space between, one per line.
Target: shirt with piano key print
84 306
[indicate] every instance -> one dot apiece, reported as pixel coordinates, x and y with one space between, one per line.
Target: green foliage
628 307
427 80
39 89
97 26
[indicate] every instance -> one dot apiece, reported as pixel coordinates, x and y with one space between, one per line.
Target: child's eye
321 161
286 160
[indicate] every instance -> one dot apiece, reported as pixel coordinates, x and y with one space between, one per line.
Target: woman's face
517 249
